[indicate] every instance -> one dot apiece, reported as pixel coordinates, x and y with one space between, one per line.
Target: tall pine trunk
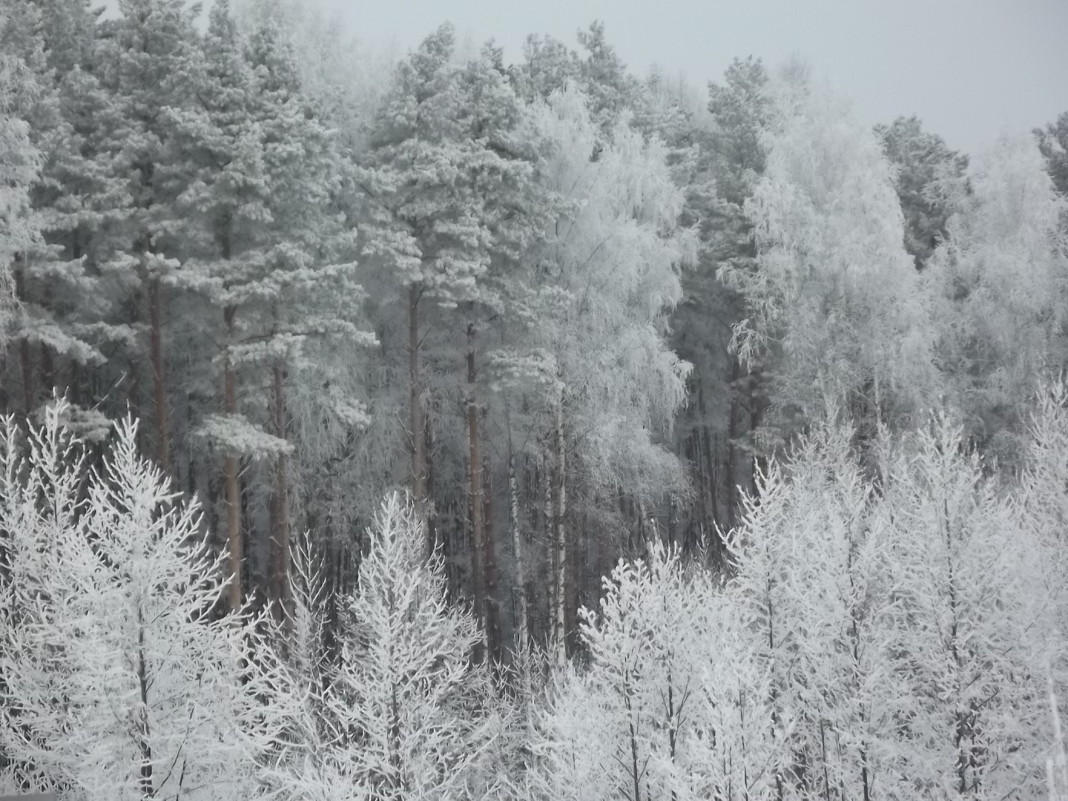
280 589
558 492
523 622
489 565
416 417
29 391
474 486
231 479
159 389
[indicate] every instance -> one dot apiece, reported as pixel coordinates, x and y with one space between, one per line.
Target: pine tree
273 258
924 164
70 313
716 428
146 63
449 177
19 162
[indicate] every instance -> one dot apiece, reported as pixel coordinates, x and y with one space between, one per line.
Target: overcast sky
969 68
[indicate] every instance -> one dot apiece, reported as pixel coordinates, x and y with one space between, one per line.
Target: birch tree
998 282
606 278
834 300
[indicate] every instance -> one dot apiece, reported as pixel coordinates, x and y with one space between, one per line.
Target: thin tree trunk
733 495
159 394
474 483
29 390
559 539
523 624
635 773
231 478
489 566
416 417
545 487
754 424
144 733
280 527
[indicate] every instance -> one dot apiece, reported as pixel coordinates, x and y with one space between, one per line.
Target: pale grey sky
970 68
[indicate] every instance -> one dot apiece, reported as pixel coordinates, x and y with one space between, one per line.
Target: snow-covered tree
834 301
453 205
600 287
270 253
999 284
971 642
115 681
19 165
725 404
1053 142
67 309
811 579
629 726
145 63
737 756
307 759
924 167
1041 499
406 697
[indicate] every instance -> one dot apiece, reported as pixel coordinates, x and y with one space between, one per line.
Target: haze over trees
442 427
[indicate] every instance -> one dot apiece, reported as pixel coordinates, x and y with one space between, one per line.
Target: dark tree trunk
231 477
474 486
489 567
416 416
281 594
159 392
558 510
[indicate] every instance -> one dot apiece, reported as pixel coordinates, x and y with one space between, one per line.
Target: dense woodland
434 427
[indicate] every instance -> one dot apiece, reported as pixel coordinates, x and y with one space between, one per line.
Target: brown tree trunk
474 485
559 539
489 567
231 479
734 500
29 391
159 395
281 594
759 462
523 622
416 417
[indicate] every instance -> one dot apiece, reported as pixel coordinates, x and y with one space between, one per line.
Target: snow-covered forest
433 426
